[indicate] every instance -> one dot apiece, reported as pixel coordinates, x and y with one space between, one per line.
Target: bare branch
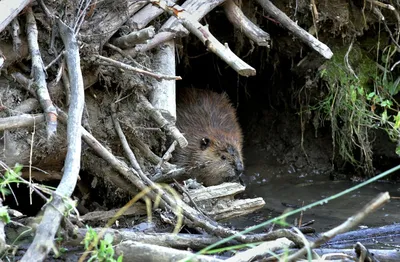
39 76
162 122
54 211
16 31
206 37
172 28
20 121
134 38
242 23
306 37
112 62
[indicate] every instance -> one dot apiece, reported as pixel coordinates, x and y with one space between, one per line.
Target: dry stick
136 251
54 60
167 156
55 210
306 37
144 16
206 37
39 83
134 38
9 10
163 95
24 120
172 28
98 31
125 145
387 6
179 241
162 122
346 226
26 106
16 31
115 63
242 23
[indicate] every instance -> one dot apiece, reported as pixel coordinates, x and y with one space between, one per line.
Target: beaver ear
204 143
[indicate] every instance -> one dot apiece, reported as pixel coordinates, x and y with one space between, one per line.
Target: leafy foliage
102 249
360 98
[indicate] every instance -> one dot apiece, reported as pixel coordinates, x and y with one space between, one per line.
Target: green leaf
119 259
370 95
398 150
384 117
353 95
397 121
4 215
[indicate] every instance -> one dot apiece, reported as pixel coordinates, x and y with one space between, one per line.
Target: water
283 185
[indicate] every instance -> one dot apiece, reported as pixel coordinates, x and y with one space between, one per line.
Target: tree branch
55 210
39 76
303 35
206 37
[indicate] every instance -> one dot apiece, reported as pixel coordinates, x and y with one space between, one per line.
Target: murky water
283 185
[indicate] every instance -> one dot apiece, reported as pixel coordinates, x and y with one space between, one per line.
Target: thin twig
113 62
54 60
377 3
125 145
162 122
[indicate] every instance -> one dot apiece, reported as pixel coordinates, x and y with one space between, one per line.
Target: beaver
209 123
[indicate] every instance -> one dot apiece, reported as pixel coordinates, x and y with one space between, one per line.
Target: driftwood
218 201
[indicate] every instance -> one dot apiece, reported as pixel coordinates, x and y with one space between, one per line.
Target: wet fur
210 125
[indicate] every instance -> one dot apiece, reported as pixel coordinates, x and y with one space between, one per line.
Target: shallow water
283 185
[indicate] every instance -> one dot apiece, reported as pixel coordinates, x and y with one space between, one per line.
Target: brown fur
209 123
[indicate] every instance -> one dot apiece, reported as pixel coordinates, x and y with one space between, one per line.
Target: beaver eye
204 143
223 157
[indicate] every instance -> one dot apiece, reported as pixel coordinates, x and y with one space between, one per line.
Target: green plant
359 99
102 249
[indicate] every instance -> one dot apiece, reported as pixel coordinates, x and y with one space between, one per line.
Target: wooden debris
39 76
24 120
134 38
265 248
218 201
242 23
303 35
163 93
137 209
206 37
9 10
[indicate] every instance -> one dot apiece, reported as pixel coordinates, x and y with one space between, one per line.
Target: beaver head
219 159
209 123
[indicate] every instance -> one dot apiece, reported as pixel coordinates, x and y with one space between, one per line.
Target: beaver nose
239 167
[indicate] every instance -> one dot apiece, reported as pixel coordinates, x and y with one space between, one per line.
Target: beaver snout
239 168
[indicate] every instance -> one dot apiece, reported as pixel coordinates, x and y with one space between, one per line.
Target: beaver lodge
129 129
